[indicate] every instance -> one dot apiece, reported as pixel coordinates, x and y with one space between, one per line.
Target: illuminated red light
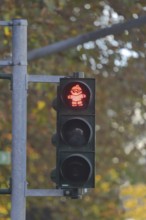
76 96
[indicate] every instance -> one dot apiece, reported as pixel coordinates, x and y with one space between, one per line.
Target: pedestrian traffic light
75 146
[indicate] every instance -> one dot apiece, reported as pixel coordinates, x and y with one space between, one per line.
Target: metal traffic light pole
19 118
19 84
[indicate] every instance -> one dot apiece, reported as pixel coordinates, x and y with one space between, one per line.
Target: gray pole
19 118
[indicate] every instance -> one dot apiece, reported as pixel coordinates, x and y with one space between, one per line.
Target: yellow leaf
3 210
130 203
113 174
98 178
41 105
7 31
105 187
133 198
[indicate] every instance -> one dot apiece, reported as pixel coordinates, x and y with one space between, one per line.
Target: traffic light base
75 193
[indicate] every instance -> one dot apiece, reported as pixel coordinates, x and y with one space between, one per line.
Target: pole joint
19 22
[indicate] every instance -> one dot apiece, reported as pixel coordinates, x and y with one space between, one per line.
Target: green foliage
118 64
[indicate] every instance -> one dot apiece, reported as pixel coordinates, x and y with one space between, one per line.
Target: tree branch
90 36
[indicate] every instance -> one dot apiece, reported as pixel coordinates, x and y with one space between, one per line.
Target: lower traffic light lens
76 170
76 132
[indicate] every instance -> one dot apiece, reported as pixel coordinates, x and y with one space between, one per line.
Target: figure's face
76 90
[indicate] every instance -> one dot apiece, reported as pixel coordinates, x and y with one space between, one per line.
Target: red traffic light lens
76 95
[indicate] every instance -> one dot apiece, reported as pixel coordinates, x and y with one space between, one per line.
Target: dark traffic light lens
76 170
76 95
76 132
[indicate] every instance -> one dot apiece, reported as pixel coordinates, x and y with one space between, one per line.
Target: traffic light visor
76 95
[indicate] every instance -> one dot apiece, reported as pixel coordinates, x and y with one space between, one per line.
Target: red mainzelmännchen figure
76 96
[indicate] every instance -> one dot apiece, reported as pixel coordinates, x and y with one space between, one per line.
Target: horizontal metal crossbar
5 62
5 76
5 191
5 23
44 192
15 22
44 78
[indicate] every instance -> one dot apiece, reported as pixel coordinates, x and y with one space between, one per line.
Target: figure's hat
76 87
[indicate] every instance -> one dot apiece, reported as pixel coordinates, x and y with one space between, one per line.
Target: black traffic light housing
75 146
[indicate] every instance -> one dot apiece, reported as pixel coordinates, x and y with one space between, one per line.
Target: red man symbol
76 95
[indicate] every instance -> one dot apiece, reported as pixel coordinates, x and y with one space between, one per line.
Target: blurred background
118 65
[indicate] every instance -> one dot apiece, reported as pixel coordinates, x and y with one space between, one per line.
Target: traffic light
75 146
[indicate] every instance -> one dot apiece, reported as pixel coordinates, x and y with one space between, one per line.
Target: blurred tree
117 63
